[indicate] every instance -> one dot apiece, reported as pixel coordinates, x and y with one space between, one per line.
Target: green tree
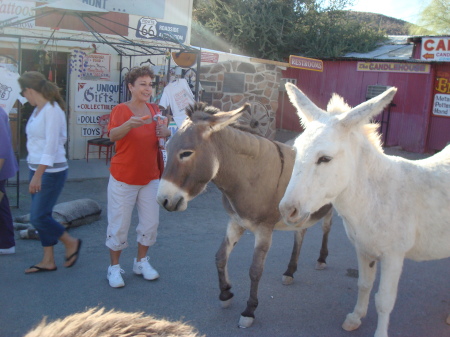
275 29
434 19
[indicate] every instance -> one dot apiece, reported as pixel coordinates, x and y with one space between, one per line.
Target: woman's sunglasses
22 92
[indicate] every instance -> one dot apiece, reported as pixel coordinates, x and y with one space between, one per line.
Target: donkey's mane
337 105
205 110
201 107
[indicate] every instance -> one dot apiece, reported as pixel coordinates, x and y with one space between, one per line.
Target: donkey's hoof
352 322
321 265
226 304
287 280
245 322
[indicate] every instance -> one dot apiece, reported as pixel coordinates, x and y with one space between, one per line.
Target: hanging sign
97 67
209 57
435 49
305 63
149 28
96 96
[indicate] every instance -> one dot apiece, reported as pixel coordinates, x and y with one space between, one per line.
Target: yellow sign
393 67
305 63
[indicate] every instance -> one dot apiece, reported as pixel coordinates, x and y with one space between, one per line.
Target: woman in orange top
134 175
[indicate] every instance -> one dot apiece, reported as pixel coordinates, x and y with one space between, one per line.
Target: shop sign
96 96
149 28
305 63
17 10
154 10
435 49
393 67
97 67
91 131
209 57
441 104
87 119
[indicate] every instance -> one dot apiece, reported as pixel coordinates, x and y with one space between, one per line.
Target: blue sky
401 9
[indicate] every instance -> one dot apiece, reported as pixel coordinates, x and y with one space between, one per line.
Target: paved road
315 305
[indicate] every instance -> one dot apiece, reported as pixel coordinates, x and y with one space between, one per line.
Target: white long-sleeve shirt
46 136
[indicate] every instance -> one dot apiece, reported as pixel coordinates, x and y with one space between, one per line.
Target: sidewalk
78 169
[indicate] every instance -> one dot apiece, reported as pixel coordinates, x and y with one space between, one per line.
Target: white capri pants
121 201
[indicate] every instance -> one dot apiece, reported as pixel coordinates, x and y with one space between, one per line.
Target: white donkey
392 208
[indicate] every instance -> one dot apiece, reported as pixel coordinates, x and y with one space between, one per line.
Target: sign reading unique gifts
96 96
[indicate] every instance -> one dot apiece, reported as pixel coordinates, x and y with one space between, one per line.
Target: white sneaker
145 269
114 277
10 250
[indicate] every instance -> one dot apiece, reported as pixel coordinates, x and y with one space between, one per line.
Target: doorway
54 67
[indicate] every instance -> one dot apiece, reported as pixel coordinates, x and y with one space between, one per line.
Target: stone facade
229 85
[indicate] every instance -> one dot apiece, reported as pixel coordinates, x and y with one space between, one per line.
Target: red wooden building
418 120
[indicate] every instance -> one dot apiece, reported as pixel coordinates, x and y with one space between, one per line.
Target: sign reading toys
149 28
95 96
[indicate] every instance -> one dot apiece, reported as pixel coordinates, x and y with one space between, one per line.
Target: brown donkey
252 172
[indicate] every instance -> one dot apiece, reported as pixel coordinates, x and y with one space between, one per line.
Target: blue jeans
42 204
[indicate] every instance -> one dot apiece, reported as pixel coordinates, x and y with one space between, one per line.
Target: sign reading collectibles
305 63
96 96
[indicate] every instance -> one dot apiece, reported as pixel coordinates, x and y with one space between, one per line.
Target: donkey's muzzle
292 216
173 204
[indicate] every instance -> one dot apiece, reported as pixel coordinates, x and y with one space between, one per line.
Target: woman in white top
46 135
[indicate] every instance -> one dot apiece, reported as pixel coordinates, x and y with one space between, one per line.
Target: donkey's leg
234 233
288 276
326 227
367 271
391 269
263 241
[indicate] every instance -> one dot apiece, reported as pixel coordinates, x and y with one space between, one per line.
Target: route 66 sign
149 28
146 28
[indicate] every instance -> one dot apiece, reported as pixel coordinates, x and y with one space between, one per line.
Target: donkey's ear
362 113
306 110
222 119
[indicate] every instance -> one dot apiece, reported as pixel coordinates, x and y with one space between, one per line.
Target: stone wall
229 85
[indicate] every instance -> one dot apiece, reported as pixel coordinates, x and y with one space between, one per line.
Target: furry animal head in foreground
96 322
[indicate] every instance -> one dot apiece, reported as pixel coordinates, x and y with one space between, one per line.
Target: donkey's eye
323 159
185 154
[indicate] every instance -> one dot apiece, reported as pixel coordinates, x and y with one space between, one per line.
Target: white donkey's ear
222 119
362 113
306 110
